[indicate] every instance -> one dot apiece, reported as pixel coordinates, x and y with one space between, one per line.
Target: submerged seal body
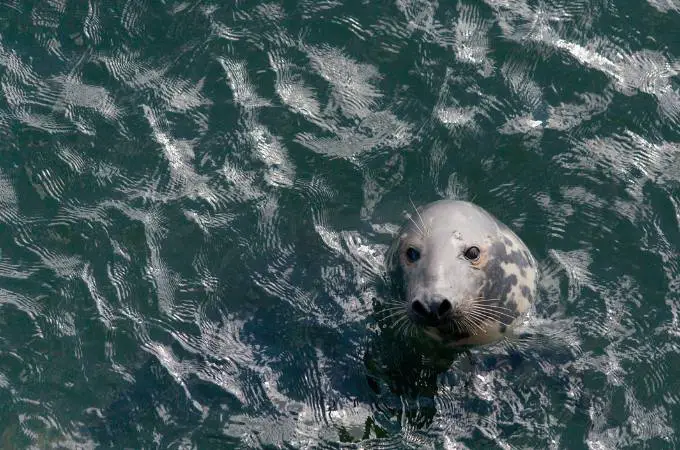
465 276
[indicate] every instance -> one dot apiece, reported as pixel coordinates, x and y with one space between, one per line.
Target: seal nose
444 307
436 309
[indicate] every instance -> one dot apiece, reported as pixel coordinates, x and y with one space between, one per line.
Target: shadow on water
420 389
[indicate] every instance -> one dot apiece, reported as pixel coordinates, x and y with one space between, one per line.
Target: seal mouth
452 323
467 319
450 331
453 333
455 326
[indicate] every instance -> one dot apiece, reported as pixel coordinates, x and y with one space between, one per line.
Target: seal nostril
444 307
419 308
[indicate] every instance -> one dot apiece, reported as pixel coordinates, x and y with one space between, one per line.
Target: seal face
465 276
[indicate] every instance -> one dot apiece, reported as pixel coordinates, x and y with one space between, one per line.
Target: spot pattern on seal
498 284
508 277
527 293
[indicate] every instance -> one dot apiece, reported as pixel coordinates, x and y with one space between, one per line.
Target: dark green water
196 196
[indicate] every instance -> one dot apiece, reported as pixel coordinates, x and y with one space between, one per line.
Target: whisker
396 326
422 233
394 303
491 305
391 302
388 316
487 318
460 323
391 316
416 210
484 304
485 301
485 313
474 323
463 325
478 321
407 329
400 320
390 307
492 311
477 304
404 322
492 315
483 316
393 308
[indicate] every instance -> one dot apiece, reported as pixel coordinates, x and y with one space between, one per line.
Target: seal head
465 276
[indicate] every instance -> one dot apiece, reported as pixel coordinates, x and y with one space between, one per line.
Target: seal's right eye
412 254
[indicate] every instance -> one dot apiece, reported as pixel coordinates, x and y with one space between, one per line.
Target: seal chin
448 332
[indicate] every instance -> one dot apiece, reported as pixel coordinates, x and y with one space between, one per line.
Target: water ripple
241 87
352 83
292 90
196 198
665 5
132 17
471 39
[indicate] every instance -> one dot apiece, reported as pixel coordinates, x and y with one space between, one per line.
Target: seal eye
472 253
412 254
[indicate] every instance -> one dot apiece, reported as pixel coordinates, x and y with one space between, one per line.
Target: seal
464 277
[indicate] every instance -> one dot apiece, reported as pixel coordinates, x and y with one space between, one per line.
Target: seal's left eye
412 254
472 253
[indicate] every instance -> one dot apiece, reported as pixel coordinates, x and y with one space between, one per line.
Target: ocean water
196 196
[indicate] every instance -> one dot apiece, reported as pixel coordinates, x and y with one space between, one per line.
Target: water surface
196 196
